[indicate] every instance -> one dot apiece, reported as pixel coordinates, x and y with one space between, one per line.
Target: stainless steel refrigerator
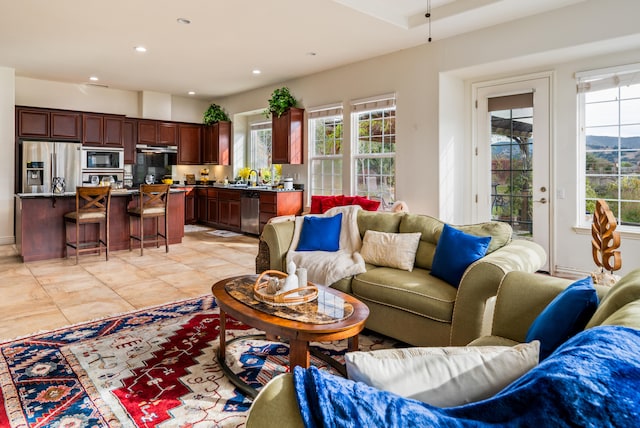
43 160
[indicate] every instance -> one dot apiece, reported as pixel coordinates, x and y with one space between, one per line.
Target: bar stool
153 203
92 207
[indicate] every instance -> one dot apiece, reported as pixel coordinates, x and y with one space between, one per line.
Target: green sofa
416 307
520 299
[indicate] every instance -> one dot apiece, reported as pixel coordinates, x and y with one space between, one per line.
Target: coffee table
298 332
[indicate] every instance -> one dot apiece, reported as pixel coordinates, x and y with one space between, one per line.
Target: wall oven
95 158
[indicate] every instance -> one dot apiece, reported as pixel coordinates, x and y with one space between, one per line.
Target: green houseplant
281 100
214 114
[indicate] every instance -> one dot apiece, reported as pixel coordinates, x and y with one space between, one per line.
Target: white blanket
324 267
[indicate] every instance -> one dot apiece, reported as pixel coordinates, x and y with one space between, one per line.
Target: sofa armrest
522 296
278 237
481 281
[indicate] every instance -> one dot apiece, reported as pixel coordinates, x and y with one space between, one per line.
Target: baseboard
569 272
7 240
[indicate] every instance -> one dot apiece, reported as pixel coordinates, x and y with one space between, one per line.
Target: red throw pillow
332 201
316 204
366 204
348 200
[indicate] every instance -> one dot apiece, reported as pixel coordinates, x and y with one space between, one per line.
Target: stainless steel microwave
95 158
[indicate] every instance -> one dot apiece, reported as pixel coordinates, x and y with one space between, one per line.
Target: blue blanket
593 380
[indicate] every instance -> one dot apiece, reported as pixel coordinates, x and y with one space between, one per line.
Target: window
325 151
609 103
260 152
374 149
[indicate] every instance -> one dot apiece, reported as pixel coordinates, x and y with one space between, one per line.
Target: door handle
542 200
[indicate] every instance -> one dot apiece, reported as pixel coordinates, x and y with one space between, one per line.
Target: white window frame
379 103
595 80
254 130
333 113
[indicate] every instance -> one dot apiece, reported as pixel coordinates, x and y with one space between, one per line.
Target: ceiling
214 55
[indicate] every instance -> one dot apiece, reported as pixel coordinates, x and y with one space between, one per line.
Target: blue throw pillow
564 317
455 251
320 233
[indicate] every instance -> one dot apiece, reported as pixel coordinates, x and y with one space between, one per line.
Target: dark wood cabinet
217 144
189 143
32 123
229 209
273 204
190 206
201 205
102 130
45 123
212 210
66 125
147 132
113 131
129 137
167 133
287 137
92 129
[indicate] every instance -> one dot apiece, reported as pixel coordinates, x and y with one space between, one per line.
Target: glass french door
513 141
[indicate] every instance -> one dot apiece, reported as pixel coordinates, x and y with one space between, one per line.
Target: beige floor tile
38 320
49 294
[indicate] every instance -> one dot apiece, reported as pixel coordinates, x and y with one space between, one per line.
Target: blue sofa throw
591 380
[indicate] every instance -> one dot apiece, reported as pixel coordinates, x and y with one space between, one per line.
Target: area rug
149 368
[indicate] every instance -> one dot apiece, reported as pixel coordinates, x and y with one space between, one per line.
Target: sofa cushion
455 251
396 250
565 316
379 221
628 316
443 377
430 228
320 233
416 292
500 233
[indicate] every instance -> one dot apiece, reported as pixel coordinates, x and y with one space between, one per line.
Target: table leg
352 343
222 349
298 353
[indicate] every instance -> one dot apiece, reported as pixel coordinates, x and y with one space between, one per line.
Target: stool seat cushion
85 216
147 211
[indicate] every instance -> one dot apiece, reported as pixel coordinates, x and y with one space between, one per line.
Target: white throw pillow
443 377
396 250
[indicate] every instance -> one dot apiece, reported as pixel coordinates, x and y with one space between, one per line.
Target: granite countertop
233 187
114 192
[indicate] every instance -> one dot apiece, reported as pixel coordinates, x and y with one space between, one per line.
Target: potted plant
281 100
214 114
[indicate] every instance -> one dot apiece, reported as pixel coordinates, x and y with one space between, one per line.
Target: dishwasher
250 212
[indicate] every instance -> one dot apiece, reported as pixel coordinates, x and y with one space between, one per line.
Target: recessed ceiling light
140 49
191 93
256 71
93 78
183 21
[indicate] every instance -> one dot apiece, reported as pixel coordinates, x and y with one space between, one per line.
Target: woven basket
306 294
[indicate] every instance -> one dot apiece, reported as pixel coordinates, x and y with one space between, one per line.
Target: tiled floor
49 294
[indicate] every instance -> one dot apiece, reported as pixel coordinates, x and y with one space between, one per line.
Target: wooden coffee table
297 333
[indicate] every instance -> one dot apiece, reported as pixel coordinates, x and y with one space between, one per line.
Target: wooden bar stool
92 207
153 203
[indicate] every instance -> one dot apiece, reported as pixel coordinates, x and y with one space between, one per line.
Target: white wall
7 148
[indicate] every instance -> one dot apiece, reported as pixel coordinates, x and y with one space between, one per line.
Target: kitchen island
40 227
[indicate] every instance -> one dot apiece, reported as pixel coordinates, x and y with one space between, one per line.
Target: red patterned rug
149 368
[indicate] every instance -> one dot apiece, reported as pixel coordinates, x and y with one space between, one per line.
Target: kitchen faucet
249 177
